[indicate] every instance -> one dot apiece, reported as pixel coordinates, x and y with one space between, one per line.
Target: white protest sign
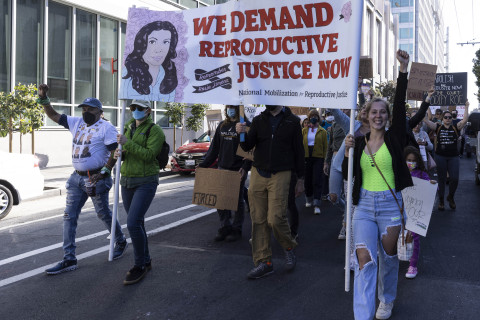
277 52
419 201
250 112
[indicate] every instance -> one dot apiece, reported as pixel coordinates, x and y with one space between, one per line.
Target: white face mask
330 118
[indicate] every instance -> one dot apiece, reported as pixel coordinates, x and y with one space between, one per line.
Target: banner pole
117 184
349 206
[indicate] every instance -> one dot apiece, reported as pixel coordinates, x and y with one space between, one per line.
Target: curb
56 191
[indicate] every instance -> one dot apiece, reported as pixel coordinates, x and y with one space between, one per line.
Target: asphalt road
196 278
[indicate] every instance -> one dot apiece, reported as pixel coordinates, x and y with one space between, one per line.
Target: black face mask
89 118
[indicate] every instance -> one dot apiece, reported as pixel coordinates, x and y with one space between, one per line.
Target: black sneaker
120 249
263 269
134 275
441 206
234 236
222 234
291 260
63 266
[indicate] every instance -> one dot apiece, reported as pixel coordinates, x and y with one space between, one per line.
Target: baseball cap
91 102
142 103
438 111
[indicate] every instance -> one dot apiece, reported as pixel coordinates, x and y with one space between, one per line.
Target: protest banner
420 79
215 188
214 117
450 89
419 201
282 52
365 68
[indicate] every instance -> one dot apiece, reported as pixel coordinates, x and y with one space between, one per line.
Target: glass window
188 3
85 52
5 36
406 17
62 110
221 1
110 114
29 38
161 119
406 33
60 53
108 61
210 2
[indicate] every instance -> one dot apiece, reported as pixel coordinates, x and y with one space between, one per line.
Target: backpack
162 157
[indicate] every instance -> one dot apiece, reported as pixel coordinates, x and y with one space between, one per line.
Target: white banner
281 52
419 201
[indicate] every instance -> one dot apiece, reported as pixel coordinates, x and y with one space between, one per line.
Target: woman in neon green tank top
377 220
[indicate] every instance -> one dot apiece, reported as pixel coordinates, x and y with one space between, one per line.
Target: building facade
422 30
75 47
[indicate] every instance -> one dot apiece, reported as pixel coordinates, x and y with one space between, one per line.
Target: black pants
292 206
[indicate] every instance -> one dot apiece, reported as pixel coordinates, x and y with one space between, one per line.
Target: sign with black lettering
450 89
216 188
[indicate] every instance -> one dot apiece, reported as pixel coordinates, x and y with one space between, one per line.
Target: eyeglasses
447 117
134 107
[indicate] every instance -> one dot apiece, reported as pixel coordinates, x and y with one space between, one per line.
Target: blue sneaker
63 266
120 249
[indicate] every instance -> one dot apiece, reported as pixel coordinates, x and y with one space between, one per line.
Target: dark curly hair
137 68
412 150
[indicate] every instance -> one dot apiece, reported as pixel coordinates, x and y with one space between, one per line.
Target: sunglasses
135 107
447 117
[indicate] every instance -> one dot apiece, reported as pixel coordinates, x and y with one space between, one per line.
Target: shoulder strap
147 133
402 207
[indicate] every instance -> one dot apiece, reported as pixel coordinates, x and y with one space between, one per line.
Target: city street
193 277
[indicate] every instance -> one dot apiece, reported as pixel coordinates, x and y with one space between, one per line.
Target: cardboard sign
365 68
214 117
420 79
216 188
450 89
244 154
276 52
419 201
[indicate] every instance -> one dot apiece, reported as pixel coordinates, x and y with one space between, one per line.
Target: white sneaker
308 204
384 311
316 210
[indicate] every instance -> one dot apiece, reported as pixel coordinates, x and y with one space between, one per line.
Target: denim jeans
136 202
239 215
374 214
76 198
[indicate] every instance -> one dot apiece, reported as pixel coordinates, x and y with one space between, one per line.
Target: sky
459 16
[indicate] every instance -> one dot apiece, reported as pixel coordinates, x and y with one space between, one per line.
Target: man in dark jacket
276 136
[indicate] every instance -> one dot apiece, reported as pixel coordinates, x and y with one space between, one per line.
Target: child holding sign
417 169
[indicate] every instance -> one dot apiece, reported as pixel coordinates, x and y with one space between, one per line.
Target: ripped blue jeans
377 217
76 198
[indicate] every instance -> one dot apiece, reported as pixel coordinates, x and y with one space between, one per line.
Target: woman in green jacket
315 145
141 143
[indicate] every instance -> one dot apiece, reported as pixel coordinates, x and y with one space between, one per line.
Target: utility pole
447 51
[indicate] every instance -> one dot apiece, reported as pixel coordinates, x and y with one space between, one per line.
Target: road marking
84 238
21 224
91 253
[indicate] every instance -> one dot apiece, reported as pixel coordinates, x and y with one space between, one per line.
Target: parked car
20 179
187 157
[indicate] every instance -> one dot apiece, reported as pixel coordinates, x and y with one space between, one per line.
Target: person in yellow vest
315 144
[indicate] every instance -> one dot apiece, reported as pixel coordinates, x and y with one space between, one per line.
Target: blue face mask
313 120
231 112
139 115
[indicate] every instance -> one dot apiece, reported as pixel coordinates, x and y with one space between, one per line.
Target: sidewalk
56 177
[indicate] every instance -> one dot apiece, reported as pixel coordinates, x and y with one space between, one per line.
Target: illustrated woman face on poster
150 72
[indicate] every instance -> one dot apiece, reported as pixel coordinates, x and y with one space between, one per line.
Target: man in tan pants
277 137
